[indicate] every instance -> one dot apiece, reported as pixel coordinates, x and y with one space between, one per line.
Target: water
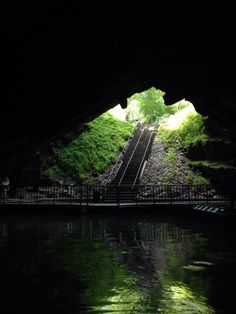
115 264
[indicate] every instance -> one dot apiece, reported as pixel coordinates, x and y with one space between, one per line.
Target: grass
94 150
196 178
179 131
189 133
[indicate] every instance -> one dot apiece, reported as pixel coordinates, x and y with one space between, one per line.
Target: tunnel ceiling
63 65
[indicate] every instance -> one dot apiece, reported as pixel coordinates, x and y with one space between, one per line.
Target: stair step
133 157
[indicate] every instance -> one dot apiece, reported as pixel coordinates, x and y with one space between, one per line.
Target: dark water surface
115 264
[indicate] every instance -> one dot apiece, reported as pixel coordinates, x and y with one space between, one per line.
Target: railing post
153 195
118 195
189 201
207 193
4 192
87 195
231 200
70 191
37 196
53 199
20 193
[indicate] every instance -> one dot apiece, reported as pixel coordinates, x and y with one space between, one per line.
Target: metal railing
121 155
134 195
143 158
131 156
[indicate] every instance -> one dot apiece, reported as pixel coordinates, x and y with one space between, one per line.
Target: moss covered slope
93 151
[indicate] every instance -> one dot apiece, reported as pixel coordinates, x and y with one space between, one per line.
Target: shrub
190 132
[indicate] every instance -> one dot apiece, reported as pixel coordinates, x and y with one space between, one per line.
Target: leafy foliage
183 135
190 132
53 171
151 104
172 109
95 149
196 178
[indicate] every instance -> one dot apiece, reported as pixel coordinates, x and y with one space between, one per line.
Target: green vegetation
173 168
98 276
147 106
169 163
217 165
151 104
189 132
172 109
196 178
94 150
53 171
179 129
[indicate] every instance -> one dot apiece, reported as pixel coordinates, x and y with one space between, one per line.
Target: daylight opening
149 107
163 134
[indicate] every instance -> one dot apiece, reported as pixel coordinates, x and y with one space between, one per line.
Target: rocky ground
165 167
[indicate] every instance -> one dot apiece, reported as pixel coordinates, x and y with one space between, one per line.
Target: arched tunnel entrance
165 153
91 156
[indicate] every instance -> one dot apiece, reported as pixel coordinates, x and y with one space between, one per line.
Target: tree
151 104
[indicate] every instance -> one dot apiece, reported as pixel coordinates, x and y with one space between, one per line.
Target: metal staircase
129 172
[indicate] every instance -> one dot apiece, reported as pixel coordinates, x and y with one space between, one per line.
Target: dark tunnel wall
62 65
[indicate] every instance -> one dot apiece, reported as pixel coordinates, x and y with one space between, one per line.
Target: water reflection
179 298
114 265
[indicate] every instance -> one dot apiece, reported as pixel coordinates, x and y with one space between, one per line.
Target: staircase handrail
144 155
131 156
121 153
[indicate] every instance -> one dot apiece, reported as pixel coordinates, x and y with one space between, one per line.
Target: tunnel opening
146 144
186 148
91 157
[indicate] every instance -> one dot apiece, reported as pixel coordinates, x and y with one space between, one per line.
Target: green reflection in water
194 267
124 300
202 263
198 266
184 290
108 284
162 269
179 298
